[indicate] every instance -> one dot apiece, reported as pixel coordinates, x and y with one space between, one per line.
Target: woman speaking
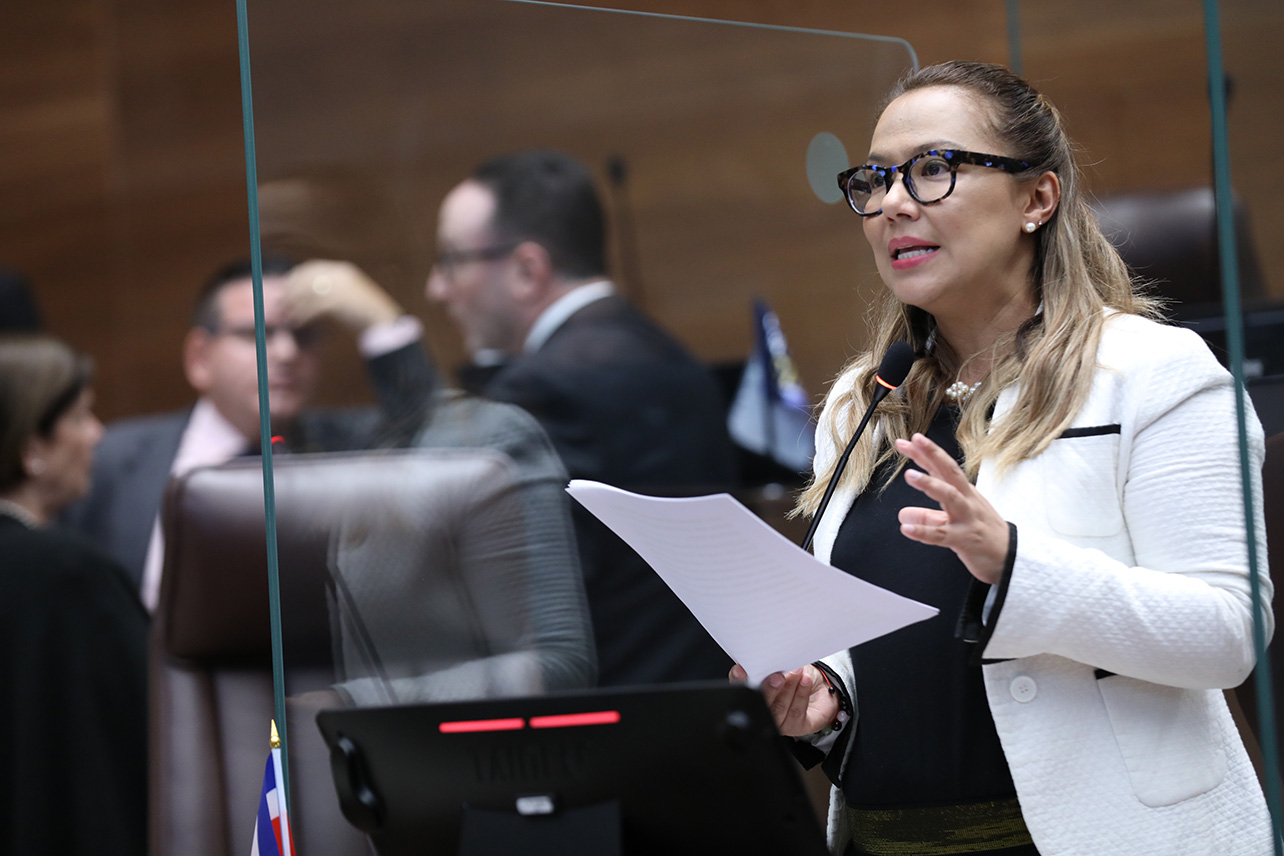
1059 475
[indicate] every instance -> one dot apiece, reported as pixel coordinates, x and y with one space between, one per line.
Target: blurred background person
139 455
18 310
521 270
1034 480
73 722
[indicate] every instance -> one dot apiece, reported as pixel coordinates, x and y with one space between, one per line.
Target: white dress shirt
564 307
208 440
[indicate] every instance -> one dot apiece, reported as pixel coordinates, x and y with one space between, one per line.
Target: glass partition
1252 122
450 570
701 136
1154 175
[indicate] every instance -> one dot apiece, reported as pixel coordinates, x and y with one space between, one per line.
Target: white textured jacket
1124 612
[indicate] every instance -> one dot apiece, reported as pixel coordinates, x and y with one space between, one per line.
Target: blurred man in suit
138 456
521 270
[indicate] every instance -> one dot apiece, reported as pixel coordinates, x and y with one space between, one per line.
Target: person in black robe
73 634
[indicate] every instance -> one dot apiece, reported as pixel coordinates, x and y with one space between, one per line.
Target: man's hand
339 290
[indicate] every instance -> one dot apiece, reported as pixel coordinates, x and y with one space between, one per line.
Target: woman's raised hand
966 522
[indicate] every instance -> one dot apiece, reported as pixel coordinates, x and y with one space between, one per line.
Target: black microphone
892 372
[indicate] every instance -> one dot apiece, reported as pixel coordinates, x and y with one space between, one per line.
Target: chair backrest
1171 237
1267 394
211 664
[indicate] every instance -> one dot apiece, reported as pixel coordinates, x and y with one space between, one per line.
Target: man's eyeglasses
929 177
305 338
448 260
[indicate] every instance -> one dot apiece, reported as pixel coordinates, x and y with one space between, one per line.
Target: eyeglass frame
448 260
306 337
952 157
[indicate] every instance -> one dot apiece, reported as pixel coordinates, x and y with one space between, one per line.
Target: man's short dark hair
205 312
550 198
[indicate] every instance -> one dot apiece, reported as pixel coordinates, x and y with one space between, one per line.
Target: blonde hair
1077 277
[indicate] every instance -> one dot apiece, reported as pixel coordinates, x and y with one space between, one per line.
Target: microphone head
896 364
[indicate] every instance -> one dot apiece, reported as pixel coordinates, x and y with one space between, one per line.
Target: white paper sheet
770 604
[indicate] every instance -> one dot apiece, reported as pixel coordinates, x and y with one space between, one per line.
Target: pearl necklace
9 508
959 392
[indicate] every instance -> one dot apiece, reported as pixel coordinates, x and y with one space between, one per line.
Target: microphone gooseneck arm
879 395
892 372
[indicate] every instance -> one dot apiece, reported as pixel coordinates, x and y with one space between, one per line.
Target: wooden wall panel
123 184
131 178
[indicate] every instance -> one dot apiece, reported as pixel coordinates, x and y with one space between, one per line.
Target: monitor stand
537 829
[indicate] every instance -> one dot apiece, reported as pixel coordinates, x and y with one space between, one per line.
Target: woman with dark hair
73 726
1035 479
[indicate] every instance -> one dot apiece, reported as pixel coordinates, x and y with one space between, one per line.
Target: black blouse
924 734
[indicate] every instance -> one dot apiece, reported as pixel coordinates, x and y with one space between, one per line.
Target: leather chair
1267 395
211 664
1170 238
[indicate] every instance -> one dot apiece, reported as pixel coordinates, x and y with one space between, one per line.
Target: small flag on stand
272 827
771 414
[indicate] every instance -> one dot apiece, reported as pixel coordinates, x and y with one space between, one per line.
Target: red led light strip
514 724
564 720
568 720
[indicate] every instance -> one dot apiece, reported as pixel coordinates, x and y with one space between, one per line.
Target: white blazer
1125 612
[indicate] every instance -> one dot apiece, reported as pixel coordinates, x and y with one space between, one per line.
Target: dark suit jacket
133 461
624 403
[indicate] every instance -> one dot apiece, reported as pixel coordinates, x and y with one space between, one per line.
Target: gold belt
938 830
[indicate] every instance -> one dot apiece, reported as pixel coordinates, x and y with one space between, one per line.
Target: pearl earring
1031 226
36 467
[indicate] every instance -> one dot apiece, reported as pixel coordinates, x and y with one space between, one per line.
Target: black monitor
694 769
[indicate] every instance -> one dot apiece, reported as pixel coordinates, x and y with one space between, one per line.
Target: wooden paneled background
123 171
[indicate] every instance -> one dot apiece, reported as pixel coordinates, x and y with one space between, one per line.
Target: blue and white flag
771 414
272 827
